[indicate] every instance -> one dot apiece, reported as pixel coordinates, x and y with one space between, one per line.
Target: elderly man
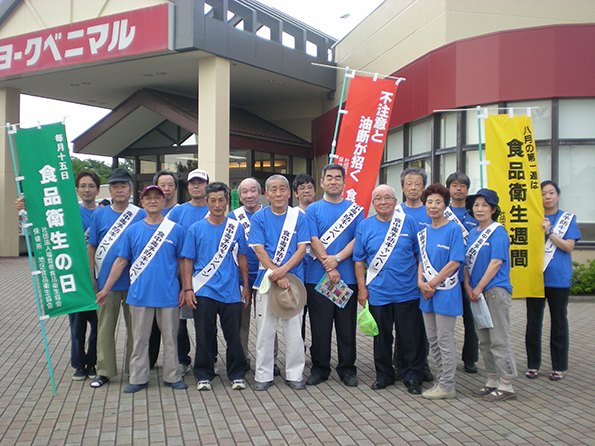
279 236
333 222
186 215
387 244
212 287
153 247
249 193
458 186
105 235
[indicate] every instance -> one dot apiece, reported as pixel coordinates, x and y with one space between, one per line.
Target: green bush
583 278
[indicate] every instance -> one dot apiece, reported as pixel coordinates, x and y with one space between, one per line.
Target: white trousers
266 329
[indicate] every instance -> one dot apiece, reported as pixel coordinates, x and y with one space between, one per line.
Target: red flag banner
362 135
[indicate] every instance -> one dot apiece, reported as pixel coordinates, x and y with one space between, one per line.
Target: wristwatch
338 258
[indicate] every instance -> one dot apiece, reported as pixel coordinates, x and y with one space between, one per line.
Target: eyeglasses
305 187
386 198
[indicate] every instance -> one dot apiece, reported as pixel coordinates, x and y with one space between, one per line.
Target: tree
99 167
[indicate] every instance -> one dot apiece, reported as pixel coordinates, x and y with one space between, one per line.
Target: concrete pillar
9 220
213 117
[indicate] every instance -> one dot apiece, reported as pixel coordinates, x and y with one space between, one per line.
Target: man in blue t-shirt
153 248
186 215
215 258
387 244
458 185
333 222
105 234
279 236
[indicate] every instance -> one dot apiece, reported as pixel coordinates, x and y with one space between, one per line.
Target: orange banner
362 135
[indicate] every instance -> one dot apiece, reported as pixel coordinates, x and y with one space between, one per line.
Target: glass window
541 117
421 137
472 171
544 162
577 181
394 146
425 165
577 118
148 163
300 165
448 165
262 162
238 166
448 130
393 177
472 134
180 162
281 164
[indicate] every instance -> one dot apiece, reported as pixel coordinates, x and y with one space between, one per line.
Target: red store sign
130 33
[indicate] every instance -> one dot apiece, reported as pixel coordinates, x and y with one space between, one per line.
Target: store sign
131 33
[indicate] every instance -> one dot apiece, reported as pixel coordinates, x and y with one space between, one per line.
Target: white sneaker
216 370
437 393
203 385
185 369
238 384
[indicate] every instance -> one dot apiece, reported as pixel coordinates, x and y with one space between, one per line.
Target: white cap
198 173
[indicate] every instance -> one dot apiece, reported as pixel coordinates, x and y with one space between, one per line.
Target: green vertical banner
56 227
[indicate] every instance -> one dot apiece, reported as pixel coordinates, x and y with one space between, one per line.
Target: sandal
532 373
557 376
500 395
99 381
485 390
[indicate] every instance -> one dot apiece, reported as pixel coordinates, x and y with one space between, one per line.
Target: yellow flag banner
513 174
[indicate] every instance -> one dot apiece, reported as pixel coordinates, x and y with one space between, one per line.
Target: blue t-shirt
159 284
308 257
420 216
86 215
469 223
186 214
444 244
101 222
202 242
266 229
253 262
164 211
558 273
496 247
321 216
397 280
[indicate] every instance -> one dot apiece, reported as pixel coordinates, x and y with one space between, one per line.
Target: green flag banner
56 227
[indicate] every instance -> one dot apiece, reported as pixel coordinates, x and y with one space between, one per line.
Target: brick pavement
545 413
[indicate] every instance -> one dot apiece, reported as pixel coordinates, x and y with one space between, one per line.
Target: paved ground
545 413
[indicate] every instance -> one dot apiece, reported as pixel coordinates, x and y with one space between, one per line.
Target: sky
334 17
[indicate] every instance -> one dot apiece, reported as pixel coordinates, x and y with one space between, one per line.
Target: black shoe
470 367
413 387
379 385
428 377
350 380
276 371
314 380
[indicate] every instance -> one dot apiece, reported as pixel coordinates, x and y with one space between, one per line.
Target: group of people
417 265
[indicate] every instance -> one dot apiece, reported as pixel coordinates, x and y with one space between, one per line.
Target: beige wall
34 15
400 31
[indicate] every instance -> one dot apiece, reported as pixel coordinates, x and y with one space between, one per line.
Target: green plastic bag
366 322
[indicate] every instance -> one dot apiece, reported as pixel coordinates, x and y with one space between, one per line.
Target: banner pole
11 130
479 146
339 113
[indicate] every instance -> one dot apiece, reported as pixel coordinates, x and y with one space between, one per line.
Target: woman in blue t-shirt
487 273
442 250
561 232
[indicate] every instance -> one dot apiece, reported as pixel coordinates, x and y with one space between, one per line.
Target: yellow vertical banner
513 174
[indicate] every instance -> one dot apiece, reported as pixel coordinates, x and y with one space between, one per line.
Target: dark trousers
78 332
407 320
183 343
323 313
205 325
557 299
470 353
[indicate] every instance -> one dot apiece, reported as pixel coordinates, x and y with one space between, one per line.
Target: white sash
113 234
339 226
243 219
389 243
473 251
151 248
203 276
562 226
450 215
429 271
285 237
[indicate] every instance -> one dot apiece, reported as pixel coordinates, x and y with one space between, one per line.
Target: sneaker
238 384
216 370
203 385
91 372
185 369
79 375
437 393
